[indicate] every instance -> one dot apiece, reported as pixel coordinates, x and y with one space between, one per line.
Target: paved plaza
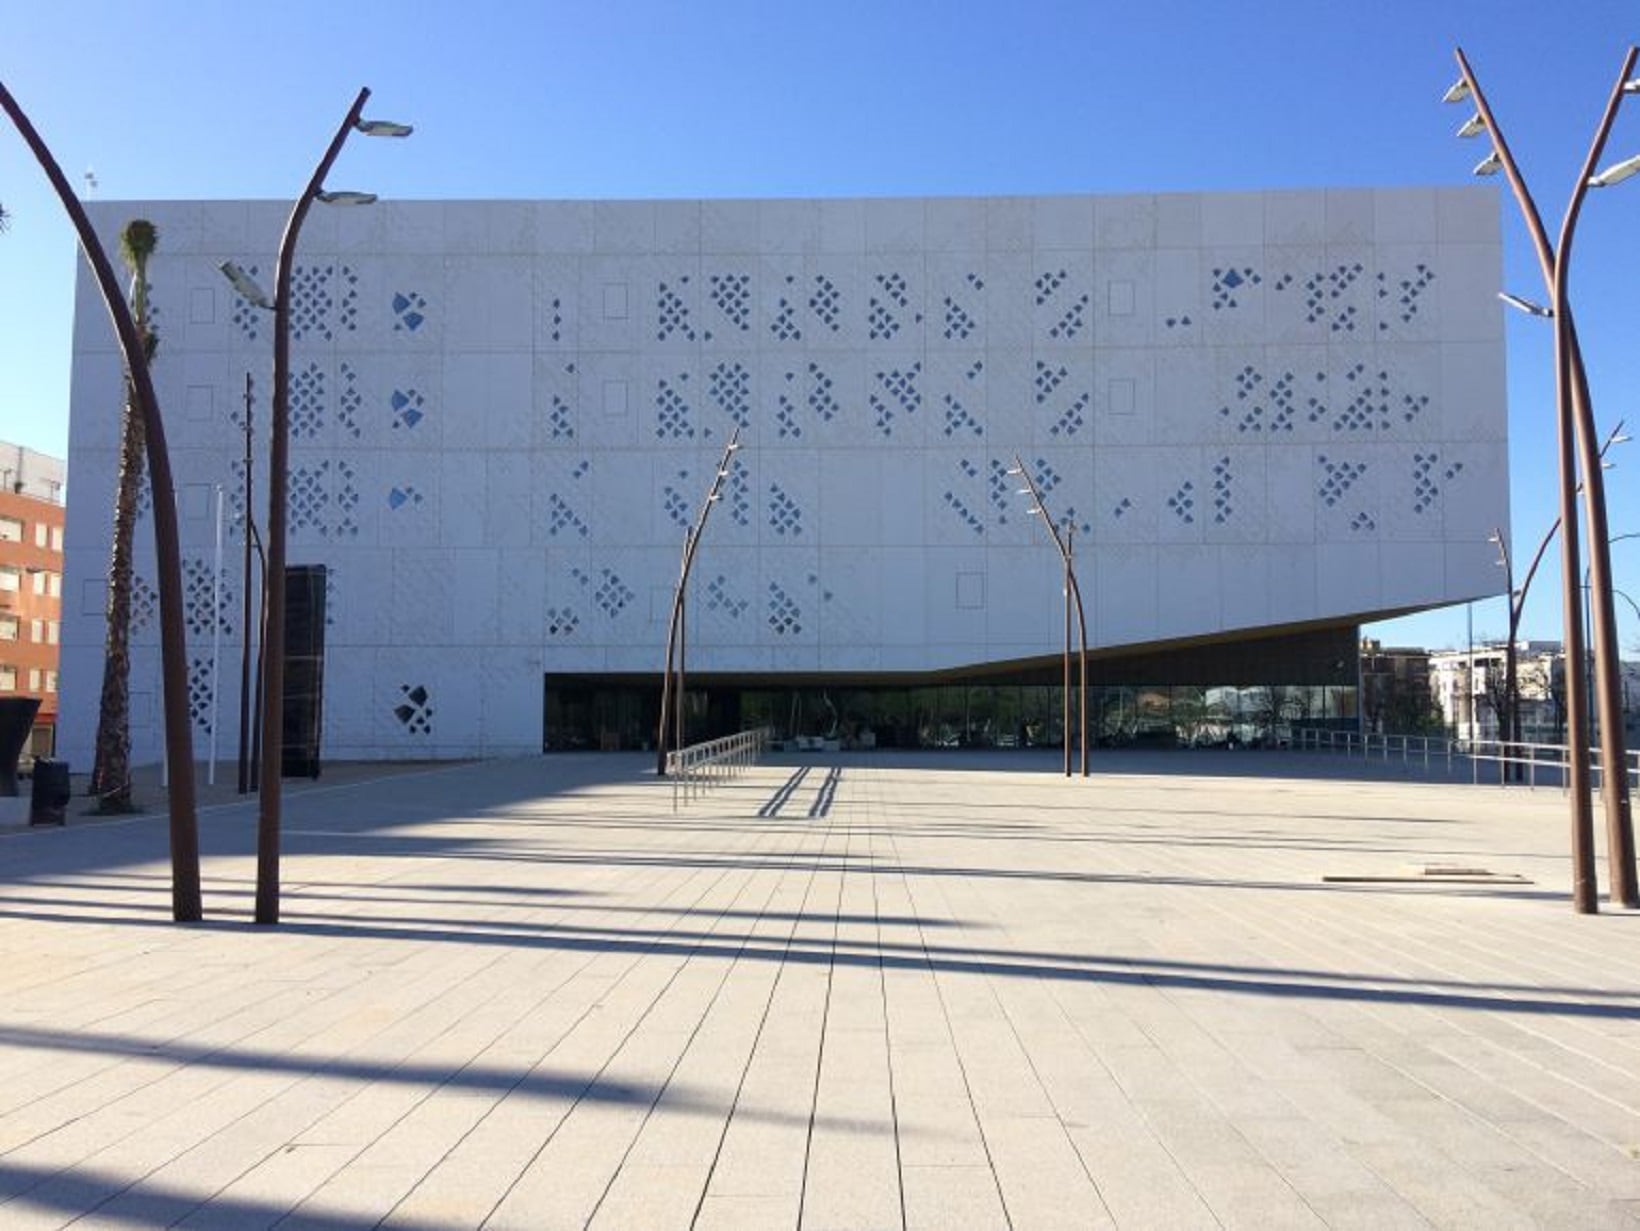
939 991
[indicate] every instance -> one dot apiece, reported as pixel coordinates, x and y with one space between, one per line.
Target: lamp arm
1511 170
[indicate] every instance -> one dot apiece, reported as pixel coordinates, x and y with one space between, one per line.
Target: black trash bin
49 803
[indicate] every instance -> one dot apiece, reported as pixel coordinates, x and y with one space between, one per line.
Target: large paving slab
938 991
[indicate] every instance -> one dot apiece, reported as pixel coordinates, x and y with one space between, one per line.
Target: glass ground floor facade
1245 690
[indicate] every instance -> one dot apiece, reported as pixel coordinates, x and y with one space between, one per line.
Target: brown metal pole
664 726
1065 686
683 649
186 906
261 648
1585 891
1608 682
691 544
1608 670
245 619
1082 666
273 663
1585 897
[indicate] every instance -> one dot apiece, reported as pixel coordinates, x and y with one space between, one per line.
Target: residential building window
10 579
8 679
53 631
8 628
34 679
54 584
41 530
51 681
40 581
37 631
11 530
56 538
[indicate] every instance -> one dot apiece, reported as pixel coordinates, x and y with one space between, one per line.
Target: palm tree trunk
111 767
111 771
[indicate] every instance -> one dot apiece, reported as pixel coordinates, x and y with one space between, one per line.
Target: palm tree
111 770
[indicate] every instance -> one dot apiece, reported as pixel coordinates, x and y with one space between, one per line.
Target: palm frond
137 243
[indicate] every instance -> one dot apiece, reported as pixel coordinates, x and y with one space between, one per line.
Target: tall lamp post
186 906
1589 608
1073 594
273 588
245 583
1511 689
1576 433
672 695
1517 598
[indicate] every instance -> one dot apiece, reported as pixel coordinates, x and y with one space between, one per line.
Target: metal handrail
1530 757
700 766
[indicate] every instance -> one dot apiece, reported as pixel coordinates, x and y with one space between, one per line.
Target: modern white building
1269 417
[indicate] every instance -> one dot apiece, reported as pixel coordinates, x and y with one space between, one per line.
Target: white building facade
1262 411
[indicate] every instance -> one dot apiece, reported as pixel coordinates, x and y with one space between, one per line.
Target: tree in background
111 769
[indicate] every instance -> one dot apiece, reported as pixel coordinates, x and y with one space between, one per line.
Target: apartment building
31 583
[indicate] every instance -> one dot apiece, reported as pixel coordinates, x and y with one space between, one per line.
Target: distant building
31 583
1396 696
1470 688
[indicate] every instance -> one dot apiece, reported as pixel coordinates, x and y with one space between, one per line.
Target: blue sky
173 99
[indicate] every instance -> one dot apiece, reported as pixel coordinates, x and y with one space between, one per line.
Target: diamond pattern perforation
415 709
785 617
896 394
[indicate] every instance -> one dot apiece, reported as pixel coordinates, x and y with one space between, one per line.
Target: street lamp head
1525 305
245 285
346 197
1014 471
382 128
1616 173
1456 92
1632 87
1490 165
1474 126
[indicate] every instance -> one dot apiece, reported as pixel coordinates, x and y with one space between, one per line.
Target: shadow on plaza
500 794
144 1203
918 956
132 1201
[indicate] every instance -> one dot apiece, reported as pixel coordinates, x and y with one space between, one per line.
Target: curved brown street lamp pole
1576 435
672 695
186 906
270 794
1073 594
